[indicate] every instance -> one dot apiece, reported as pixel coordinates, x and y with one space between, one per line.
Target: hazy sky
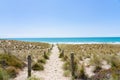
59 18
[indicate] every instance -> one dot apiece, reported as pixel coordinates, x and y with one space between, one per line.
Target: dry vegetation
92 61
14 54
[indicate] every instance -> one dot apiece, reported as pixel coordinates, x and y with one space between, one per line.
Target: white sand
88 69
105 65
53 69
22 75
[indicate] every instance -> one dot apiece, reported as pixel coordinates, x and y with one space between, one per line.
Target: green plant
96 60
80 72
45 56
115 61
65 57
33 78
42 60
3 75
12 60
37 66
12 71
66 65
61 54
67 73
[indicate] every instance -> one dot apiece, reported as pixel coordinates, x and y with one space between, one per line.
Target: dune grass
12 60
12 64
42 60
12 71
3 74
97 53
15 54
33 78
67 73
37 67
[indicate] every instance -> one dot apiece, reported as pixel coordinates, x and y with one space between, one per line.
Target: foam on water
89 40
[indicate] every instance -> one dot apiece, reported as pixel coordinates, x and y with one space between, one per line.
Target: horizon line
66 37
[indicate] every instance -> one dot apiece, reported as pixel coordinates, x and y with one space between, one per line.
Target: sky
59 18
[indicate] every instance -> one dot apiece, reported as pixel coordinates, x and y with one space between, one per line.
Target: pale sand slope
53 69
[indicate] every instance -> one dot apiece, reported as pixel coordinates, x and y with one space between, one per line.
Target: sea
72 40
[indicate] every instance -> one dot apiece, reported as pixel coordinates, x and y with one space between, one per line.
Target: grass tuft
12 71
46 56
33 78
37 67
3 75
67 73
12 60
42 60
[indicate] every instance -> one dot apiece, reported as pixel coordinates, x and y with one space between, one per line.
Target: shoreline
61 42
70 40
83 42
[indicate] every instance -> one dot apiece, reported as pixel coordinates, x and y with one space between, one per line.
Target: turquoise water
72 40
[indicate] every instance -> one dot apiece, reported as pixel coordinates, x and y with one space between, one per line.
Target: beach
53 60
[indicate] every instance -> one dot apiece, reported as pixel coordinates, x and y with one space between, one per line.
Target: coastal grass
42 60
23 49
15 54
37 66
12 71
33 78
12 64
12 60
67 73
95 53
3 74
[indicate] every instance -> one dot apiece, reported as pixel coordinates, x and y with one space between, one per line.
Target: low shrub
37 67
61 54
12 60
42 60
46 56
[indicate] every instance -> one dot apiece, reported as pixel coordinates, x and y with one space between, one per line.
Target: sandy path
22 75
53 69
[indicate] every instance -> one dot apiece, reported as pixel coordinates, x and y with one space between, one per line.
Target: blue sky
59 18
